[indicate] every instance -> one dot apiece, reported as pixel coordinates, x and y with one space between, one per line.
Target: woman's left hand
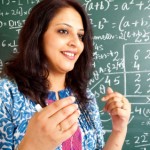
119 109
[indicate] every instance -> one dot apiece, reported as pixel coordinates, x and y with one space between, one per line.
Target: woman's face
63 40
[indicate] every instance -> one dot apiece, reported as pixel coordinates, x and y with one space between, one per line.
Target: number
116 56
139 110
148 78
102 89
137 140
144 138
136 65
137 91
108 81
13 12
138 78
4 43
136 56
148 56
117 81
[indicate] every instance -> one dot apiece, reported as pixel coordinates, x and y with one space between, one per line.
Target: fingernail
73 98
103 99
79 112
76 105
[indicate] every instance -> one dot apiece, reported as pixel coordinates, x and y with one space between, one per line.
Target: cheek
50 45
80 52
82 48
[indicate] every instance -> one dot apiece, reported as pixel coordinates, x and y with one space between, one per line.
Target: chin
69 69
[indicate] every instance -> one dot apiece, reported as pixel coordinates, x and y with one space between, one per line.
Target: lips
68 54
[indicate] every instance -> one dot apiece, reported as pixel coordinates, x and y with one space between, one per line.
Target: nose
74 41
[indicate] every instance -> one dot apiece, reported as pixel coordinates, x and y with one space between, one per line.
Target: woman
52 69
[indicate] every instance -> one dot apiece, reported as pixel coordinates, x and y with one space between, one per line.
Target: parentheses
144 112
108 4
21 11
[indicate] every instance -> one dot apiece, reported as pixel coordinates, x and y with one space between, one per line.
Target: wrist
24 146
120 132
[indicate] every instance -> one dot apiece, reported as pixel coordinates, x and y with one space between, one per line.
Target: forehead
68 15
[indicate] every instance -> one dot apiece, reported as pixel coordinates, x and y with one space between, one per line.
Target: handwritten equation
13 14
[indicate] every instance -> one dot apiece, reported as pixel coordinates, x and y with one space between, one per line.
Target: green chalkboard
121 57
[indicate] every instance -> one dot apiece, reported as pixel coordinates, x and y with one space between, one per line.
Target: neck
57 82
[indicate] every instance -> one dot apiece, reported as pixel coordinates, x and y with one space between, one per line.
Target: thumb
109 90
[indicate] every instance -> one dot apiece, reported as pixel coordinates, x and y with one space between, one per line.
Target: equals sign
113 25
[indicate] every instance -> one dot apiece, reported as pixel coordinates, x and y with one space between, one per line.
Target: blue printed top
16 110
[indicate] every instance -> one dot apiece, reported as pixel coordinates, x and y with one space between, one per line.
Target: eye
81 36
63 31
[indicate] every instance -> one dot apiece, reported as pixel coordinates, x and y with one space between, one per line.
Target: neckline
62 94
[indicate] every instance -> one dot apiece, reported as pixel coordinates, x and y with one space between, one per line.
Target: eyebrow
67 25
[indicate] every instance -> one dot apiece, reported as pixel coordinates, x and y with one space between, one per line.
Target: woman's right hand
51 126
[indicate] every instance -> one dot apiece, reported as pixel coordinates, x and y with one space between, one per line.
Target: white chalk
38 107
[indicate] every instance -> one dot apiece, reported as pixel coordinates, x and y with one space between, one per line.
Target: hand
51 126
119 109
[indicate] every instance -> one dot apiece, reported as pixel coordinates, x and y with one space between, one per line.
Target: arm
119 109
116 140
6 125
13 116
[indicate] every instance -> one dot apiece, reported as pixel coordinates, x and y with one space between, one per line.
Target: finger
127 105
111 95
68 133
114 99
109 90
56 106
125 100
120 112
62 114
69 121
113 105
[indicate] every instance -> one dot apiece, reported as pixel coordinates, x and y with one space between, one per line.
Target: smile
69 54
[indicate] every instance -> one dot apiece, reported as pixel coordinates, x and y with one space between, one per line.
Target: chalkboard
121 56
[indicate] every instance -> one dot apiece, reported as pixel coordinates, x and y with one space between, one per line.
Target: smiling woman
52 70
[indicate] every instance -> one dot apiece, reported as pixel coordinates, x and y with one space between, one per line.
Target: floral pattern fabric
16 110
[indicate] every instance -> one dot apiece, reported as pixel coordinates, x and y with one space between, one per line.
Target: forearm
115 140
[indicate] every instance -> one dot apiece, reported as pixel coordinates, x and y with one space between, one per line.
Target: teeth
69 54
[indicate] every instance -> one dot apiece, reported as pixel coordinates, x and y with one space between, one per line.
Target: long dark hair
29 66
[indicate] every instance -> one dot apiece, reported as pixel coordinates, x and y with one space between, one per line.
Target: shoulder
6 83
8 89
14 105
15 111
10 96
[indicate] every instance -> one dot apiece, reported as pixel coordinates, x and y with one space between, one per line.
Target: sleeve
93 108
6 124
